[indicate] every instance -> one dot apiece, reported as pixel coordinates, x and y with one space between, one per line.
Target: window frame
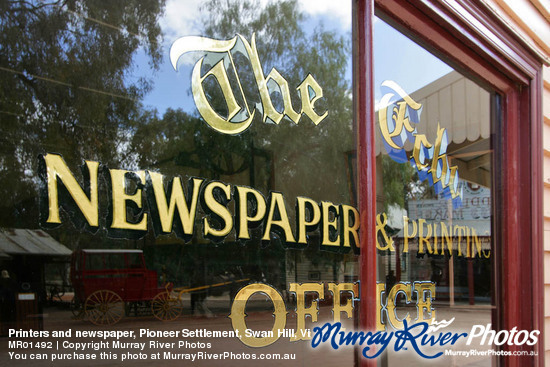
474 40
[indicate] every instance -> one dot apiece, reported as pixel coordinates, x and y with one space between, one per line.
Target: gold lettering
459 232
303 225
243 219
448 237
336 290
276 78
429 238
406 233
56 167
424 240
216 121
477 242
269 111
238 314
425 294
302 310
218 71
309 89
420 142
398 114
468 242
120 197
328 224
380 288
177 200
347 231
439 170
277 202
309 100
381 220
217 208
423 150
392 297
435 239
453 182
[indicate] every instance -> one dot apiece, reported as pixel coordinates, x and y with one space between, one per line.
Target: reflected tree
64 87
401 183
307 160
301 149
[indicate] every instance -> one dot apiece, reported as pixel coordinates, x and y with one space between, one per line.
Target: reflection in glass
433 228
90 82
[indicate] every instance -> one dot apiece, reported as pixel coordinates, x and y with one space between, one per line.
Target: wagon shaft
188 290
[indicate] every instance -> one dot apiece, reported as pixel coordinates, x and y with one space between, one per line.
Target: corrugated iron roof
454 102
30 242
112 251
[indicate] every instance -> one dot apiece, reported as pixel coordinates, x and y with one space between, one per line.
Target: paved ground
56 318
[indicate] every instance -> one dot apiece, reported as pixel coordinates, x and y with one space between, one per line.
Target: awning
30 242
463 108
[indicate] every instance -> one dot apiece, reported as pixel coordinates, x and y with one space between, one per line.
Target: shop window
225 150
434 191
226 141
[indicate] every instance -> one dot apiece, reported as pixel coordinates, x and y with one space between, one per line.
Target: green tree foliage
296 150
303 159
64 86
401 184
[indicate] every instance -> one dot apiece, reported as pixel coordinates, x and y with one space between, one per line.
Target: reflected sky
396 58
172 89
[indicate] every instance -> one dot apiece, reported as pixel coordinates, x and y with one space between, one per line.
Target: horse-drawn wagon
108 282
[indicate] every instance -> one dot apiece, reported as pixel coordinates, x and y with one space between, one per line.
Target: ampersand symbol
381 220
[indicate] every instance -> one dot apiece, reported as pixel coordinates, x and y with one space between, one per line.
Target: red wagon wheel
104 307
165 307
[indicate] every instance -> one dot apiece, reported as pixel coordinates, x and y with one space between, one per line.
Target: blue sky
396 57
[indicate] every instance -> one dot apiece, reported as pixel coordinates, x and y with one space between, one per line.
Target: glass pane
134 261
434 175
95 262
216 141
114 261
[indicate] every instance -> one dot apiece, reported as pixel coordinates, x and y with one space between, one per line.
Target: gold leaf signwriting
219 56
398 115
